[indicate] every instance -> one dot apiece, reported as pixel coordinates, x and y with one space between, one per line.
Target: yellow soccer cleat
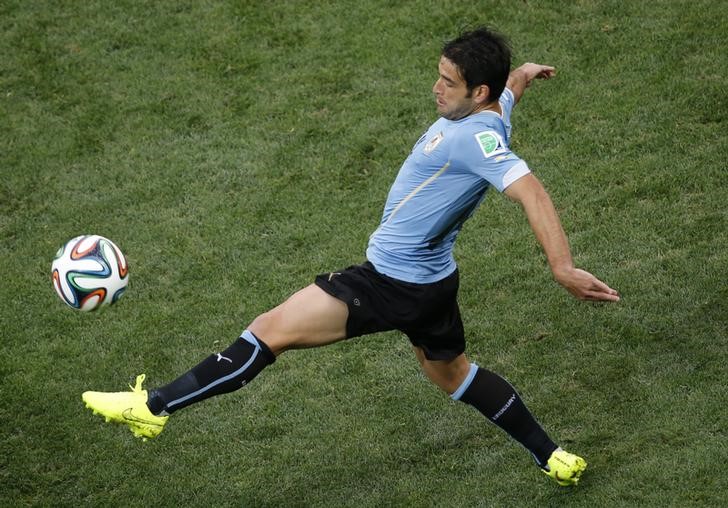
129 408
564 467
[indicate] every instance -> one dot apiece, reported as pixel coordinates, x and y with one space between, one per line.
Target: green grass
236 149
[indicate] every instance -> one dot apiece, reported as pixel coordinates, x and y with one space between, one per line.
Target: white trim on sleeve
517 171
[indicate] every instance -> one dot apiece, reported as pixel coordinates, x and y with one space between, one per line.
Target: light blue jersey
439 186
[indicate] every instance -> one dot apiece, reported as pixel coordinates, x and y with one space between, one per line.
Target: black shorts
427 313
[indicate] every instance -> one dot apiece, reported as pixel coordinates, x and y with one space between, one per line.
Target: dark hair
483 57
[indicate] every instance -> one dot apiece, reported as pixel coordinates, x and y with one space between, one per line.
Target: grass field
235 149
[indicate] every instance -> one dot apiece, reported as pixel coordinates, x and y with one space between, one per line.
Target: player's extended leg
498 401
309 318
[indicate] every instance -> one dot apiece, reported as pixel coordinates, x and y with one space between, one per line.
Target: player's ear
481 93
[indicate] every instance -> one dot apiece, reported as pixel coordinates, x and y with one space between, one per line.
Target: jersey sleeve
507 101
485 152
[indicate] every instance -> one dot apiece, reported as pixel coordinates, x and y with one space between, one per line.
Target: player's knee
447 375
447 384
270 328
266 325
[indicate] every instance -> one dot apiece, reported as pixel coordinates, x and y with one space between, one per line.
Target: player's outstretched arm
520 78
546 225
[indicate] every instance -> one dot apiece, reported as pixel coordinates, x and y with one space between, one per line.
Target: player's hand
520 78
533 71
585 286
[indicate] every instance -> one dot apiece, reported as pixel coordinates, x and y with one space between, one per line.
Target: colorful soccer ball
89 271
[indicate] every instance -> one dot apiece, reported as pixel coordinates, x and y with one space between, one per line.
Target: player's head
482 57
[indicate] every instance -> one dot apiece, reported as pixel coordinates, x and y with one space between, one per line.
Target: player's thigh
309 318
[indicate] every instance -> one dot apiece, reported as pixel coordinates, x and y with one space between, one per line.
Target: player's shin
220 373
498 401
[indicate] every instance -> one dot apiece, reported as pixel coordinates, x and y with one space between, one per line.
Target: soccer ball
89 272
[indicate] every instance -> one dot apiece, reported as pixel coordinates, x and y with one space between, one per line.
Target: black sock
219 373
498 401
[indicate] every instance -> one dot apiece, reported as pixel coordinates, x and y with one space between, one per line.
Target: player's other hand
533 71
584 286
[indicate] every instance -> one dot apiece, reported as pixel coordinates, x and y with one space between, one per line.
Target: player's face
453 99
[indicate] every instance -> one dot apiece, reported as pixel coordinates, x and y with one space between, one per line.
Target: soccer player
409 281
